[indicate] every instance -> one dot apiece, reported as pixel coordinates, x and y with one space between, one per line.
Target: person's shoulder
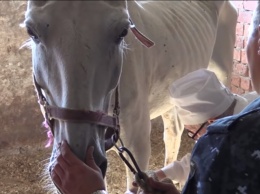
235 138
222 125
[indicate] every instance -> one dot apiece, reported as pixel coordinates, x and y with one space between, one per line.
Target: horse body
184 33
78 55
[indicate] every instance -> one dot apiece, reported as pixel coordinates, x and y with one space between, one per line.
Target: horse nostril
103 168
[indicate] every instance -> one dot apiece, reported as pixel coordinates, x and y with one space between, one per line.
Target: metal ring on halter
134 169
122 145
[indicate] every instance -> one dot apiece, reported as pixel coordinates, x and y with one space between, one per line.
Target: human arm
177 171
72 176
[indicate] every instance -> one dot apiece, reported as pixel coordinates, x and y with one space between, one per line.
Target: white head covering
241 103
199 96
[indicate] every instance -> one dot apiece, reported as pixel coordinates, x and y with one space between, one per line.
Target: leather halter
141 37
112 131
52 113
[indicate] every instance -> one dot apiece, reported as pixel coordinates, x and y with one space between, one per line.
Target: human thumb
90 159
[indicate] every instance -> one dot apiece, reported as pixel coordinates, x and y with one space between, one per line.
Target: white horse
81 48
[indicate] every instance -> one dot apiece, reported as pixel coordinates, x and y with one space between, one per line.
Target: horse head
77 53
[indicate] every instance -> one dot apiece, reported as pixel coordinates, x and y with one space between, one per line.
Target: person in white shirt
200 98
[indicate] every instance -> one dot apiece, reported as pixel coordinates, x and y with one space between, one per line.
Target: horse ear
117 3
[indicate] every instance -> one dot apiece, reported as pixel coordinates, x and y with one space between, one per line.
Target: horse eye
33 35
124 33
121 36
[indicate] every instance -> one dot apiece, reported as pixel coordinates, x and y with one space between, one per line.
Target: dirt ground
21 166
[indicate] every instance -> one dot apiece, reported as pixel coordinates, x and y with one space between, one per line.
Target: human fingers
58 170
62 162
67 154
134 184
90 159
160 174
56 175
166 187
56 180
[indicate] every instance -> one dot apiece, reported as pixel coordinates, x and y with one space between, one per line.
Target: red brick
241 69
250 5
243 57
235 70
240 29
239 42
233 89
237 90
245 42
235 80
240 91
253 89
246 83
237 55
238 4
245 16
246 29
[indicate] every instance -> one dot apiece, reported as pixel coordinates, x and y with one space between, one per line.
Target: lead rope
134 168
140 177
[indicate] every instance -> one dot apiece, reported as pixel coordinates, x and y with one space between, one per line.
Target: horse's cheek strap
140 36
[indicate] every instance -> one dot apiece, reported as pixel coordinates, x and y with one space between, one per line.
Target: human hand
72 176
160 174
162 187
165 186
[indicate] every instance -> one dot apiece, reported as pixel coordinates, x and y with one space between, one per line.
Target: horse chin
56 152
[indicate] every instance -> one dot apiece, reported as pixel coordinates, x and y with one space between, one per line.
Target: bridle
112 131
52 113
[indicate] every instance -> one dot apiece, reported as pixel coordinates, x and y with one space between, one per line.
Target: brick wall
240 81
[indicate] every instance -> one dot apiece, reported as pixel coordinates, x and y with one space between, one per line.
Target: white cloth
241 103
179 171
250 96
199 96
